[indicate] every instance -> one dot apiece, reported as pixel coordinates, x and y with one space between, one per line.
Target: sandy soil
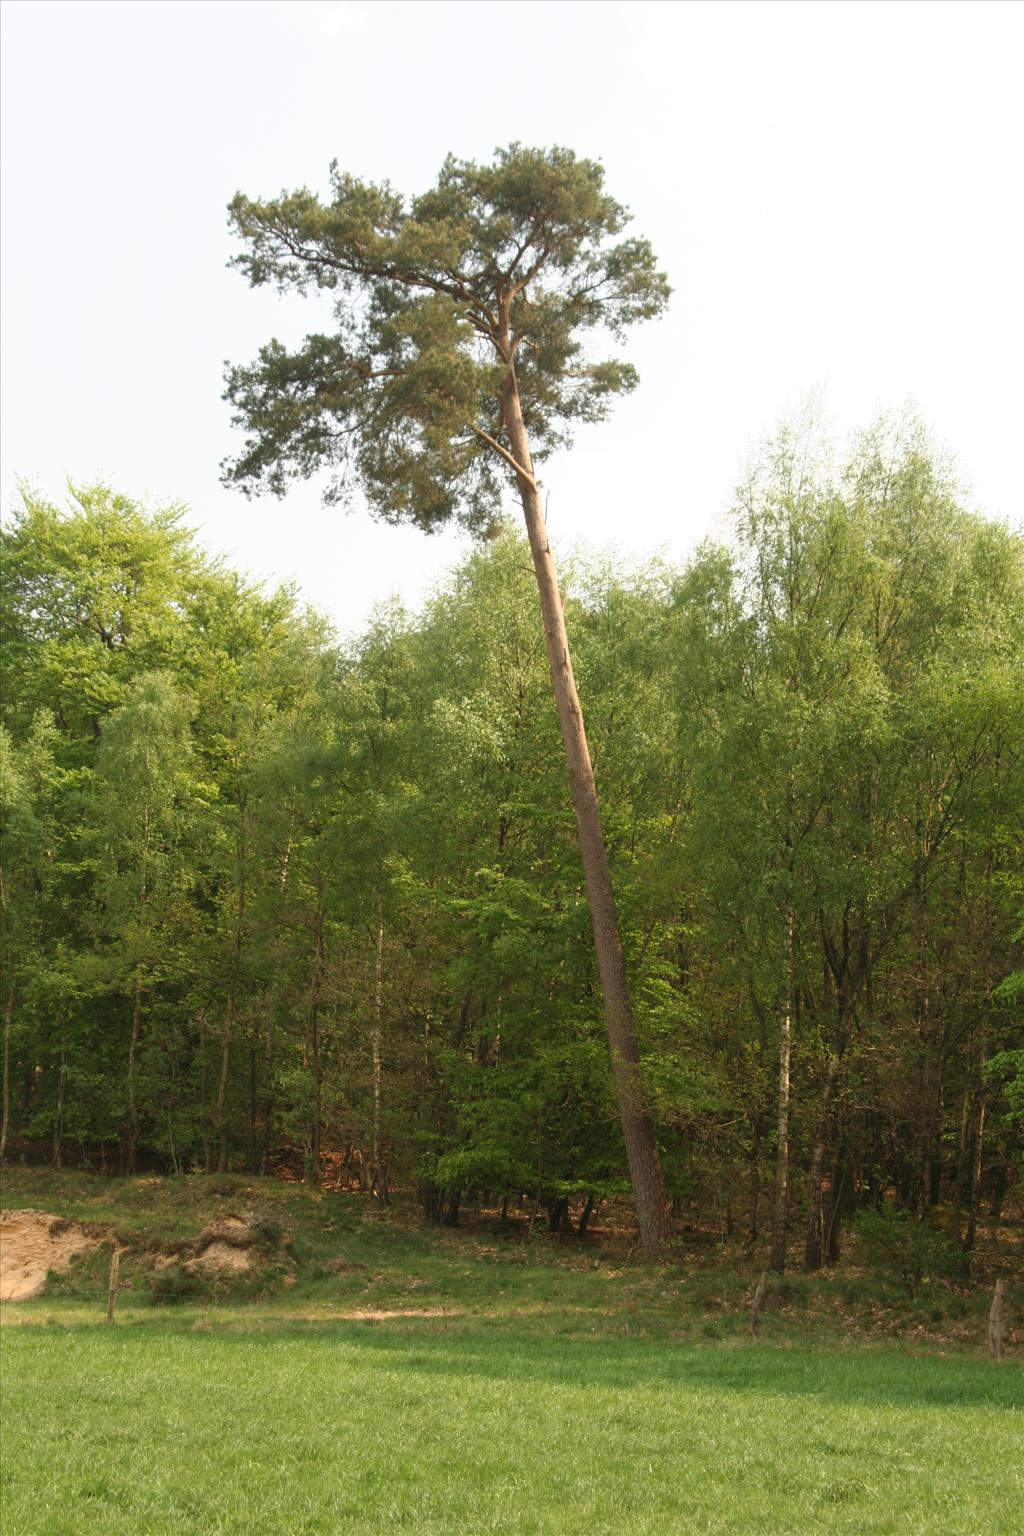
224 1246
221 1257
383 1314
34 1243
31 1244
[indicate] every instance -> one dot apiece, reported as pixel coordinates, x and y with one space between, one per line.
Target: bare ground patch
32 1243
222 1248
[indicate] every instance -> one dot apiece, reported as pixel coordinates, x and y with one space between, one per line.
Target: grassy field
320 1428
375 1376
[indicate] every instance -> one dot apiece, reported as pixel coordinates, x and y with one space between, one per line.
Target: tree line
267 893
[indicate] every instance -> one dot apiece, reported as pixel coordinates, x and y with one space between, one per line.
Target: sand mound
228 1232
31 1244
221 1258
222 1248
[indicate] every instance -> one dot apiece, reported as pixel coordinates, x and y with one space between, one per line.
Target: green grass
149 1430
523 1387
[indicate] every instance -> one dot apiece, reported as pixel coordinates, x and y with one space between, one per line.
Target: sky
834 190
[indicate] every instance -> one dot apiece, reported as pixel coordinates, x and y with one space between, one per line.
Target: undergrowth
322 1254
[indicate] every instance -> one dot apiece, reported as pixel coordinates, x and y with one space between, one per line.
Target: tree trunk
202 1092
754 1198
254 1156
814 1247
175 1166
558 1214
311 1061
268 1091
649 1193
451 1214
133 1046
781 1206
974 1186
841 1197
380 1185
58 1119
5 1115
220 1109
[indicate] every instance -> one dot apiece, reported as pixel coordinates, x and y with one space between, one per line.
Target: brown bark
649 1193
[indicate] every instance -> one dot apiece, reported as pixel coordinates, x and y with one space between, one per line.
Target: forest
275 899
511 770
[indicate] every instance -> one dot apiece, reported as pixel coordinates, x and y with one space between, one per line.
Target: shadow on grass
877 1377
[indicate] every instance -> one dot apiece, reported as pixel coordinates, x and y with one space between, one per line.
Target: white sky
833 188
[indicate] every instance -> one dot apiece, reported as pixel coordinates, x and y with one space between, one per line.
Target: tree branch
513 463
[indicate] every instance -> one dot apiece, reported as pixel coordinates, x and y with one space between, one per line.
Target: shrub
173 1285
898 1243
266 1232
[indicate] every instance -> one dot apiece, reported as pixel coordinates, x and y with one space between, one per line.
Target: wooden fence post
995 1321
755 1305
115 1259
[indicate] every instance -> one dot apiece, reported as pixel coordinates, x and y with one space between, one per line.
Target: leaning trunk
652 1207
